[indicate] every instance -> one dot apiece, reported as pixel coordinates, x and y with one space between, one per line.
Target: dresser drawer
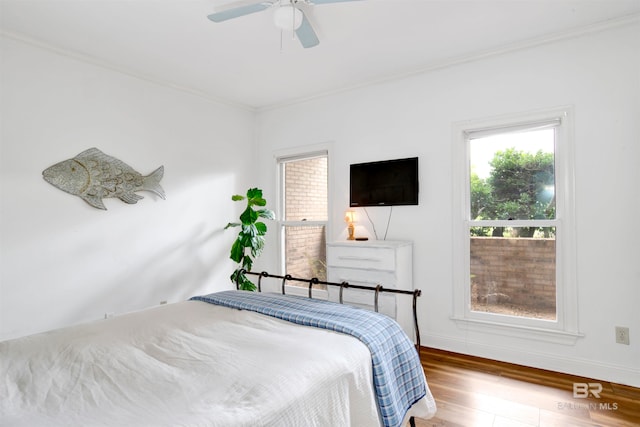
372 278
366 299
372 263
361 298
381 258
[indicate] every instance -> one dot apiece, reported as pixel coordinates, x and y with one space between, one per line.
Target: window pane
305 185
512 176
306 252
514 276
305 189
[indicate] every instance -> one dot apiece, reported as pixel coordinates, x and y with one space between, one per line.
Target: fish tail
152 182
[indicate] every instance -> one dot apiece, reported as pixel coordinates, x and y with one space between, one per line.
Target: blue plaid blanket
397 373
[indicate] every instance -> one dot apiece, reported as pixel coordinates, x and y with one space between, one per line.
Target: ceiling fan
288 15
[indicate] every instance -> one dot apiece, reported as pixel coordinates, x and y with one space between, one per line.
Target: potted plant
250 241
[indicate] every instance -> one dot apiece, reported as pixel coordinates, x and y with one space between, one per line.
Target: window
304 214
512 222
514 240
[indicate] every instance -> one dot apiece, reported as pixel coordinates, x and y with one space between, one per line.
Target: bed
233 358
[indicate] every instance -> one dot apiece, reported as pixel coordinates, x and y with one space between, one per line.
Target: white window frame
564 330
281 157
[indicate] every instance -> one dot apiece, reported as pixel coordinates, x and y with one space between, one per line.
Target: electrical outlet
108 315
163 302
622 335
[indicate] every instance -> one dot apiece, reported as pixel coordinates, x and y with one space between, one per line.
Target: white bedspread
189 364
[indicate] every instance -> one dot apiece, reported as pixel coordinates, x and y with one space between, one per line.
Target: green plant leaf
247 285
250 236
254 193
246 240
249 216
254 196
266 213
261 228
242 281
257 246
250 230
247 263
259 201
237 250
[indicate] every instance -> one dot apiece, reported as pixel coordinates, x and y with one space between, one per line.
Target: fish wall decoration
93 176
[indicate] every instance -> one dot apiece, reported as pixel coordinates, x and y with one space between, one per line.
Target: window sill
518 331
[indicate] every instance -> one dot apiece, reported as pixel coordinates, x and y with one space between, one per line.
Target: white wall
598 74
63 261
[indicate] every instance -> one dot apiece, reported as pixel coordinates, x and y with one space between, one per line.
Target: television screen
384 183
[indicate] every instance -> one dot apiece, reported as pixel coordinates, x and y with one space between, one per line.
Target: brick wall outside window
306 200
518 274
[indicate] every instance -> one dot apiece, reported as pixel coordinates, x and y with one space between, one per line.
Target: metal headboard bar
263 274
344 285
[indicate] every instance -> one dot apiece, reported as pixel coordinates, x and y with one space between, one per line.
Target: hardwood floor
476 392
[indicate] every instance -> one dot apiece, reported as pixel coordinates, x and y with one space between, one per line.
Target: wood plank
473 391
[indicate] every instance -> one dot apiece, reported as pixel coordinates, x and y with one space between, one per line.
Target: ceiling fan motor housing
287 17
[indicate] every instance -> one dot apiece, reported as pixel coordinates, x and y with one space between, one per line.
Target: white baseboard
528 356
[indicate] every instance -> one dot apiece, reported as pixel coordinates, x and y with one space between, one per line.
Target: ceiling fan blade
305 33
238 11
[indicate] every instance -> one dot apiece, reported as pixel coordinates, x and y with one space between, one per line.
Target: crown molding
97 62
427 68
476 56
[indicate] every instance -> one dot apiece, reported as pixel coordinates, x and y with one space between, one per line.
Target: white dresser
374 262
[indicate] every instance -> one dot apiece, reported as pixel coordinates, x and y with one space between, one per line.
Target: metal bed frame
344 285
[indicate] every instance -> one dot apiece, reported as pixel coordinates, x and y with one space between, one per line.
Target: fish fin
94 201
91 152
130 198
152 182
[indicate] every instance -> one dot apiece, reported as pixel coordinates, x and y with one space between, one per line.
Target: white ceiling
242 61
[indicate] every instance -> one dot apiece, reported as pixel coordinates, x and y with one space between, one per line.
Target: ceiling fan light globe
287 17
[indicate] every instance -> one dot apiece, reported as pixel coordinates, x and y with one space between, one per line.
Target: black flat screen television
384 183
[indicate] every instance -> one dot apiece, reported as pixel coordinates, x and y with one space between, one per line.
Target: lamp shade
350 216
287 17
